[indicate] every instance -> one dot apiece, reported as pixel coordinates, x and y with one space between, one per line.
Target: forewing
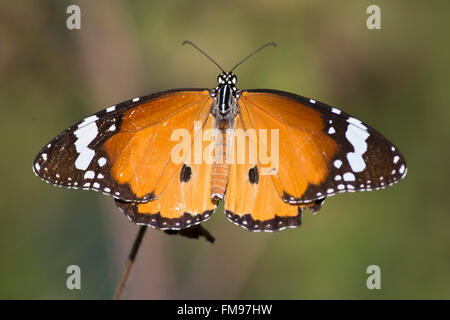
124 150
322 150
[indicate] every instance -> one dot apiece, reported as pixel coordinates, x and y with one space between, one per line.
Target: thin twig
130 261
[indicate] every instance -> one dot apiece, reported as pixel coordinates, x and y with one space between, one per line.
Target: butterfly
169 158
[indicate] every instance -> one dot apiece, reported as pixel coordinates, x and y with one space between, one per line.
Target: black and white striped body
224 109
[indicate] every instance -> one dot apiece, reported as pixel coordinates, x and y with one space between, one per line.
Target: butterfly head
227 78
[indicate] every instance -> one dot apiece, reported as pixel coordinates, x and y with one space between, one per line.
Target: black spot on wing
253 175
185 174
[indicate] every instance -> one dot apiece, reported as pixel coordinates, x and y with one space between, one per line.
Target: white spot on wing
136 99
331 130
356 122
312 100
402 169
87 121
357 138
37 166
396 158
44 156
101 162
112 128
89 174
338 163
85 135
110 109
334 110
348 176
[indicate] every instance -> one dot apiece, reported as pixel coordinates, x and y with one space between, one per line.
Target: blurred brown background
395 79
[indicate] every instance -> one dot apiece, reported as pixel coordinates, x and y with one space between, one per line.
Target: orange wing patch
141 150
252 200
304 150
183 202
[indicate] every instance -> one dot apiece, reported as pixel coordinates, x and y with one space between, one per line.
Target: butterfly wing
124 151
322 150
185 201
251 199
127 151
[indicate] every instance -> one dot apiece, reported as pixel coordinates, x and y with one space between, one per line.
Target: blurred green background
396 79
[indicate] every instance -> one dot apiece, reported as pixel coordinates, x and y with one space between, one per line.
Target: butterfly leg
193 232
316 205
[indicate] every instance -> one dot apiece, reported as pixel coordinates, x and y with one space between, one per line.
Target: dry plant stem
130 261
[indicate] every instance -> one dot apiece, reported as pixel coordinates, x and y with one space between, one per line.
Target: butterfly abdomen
221 166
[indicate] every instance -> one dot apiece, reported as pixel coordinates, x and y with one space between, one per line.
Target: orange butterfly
168 158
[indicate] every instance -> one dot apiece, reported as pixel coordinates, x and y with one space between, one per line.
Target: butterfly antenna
188 42
251 54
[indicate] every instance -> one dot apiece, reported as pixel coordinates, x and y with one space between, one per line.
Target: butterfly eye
234 80
220 79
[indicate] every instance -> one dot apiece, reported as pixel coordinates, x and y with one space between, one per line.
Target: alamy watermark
374 280
73 21
373 22
240 146
74 280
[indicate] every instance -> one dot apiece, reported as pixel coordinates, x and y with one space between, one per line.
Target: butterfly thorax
225 97
224 110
